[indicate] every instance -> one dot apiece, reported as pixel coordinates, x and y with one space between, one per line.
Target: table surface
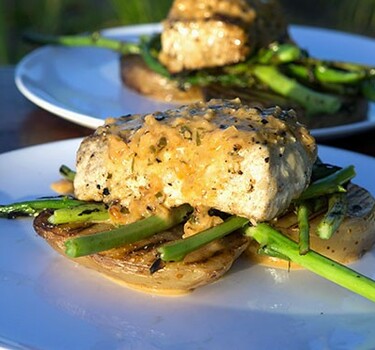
23 124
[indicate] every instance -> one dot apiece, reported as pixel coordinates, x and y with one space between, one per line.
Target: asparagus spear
94 40
268 237
313 102
337 207
321 170
33 207
176 251
329 184
324 74
67 173
277 53
149 55
90 244
303 212
81 213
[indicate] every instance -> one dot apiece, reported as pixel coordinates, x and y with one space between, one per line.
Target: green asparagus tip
337 209
71 248
67 173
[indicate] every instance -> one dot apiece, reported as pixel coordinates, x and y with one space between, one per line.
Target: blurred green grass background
77 16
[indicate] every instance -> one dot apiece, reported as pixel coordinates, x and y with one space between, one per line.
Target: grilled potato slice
138 266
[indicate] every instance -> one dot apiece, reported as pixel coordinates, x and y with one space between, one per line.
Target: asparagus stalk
176 251
149 56
277 53
321 170
303 212
313 102
342 275
90 244
337 207
324 74
86 212
329 184
339 65
94 40
67 173
34 207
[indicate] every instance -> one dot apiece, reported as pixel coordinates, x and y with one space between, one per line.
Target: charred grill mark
62 231
360 201
144 247
88 211
69 230
72 232
157 265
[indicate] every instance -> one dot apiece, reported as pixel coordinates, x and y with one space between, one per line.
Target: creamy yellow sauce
63 187
269 261
199 221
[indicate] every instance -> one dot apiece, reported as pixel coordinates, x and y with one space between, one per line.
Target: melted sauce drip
63 187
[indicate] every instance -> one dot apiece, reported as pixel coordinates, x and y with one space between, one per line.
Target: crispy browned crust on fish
355 236
138 264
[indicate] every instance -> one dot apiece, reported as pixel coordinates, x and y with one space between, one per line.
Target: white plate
48 302
83 84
